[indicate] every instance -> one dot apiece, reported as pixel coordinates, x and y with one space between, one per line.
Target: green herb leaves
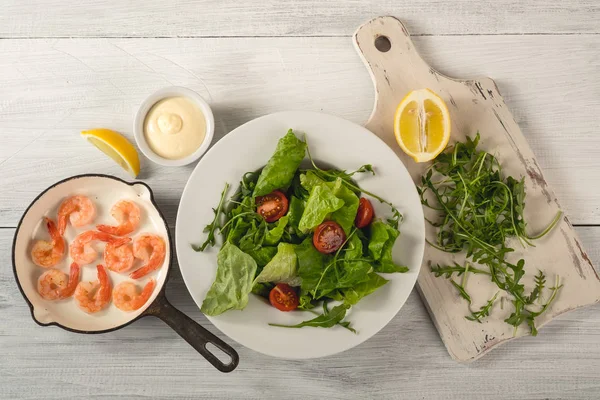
331 318
256 255
235 275
214 225
478 210
281 167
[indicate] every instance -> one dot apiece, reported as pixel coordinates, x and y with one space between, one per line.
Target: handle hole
220 354
383 44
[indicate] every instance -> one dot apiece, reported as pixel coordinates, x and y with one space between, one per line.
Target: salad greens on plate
300 238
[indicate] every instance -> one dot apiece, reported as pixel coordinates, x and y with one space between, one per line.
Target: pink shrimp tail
73 281
141 272
52 230
120 242
114 230
63 215
105 288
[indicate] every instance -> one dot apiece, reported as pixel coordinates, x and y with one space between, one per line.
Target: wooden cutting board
475 105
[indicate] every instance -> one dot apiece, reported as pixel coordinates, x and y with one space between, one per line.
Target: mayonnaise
175 127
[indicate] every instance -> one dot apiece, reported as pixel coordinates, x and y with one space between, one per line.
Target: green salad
300 238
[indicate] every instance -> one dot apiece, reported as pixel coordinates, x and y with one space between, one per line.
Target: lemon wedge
422 125
117 147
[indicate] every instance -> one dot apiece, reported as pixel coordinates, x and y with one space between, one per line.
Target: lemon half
117 147
422 125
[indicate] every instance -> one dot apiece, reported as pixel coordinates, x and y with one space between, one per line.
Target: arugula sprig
478 210
214 225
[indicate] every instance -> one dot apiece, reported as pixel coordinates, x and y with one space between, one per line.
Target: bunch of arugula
478 210
256 255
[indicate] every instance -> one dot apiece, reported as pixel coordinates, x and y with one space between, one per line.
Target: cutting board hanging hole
383 44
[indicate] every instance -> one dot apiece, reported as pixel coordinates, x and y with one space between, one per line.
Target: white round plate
333 142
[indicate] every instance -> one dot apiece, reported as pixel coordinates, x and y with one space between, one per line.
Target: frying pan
104 190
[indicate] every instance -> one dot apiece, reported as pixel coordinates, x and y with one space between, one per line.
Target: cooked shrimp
127 214
54 284
126 297
81 249
118 255
80 210
48 254
151 249
94 296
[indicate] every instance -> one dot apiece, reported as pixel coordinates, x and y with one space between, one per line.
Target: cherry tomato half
272 206
328 237
283 297
365 213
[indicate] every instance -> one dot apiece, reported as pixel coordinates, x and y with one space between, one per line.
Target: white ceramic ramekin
140 117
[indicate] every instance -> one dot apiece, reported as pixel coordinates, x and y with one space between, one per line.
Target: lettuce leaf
381 243
282 166
295 212
346 214
274 235
320 204
233 283
354 294
282 268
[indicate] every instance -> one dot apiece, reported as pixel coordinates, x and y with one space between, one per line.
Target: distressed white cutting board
475 105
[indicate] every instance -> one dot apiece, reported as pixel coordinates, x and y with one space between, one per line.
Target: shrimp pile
127 214
151 249
55 285
80 210
120 254
126 297
48 254
92 297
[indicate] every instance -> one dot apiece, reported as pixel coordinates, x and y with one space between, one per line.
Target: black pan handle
193 333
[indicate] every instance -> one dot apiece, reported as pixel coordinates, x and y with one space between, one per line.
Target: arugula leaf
305 301
333 317
355 293
484 311
282 166
233 283
214 225
282 268
274 235
320 204
479 210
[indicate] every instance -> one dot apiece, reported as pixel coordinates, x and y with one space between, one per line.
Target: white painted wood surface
202 18
51 88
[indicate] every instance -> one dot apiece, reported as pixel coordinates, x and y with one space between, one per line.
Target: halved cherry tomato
328 237
283 297
365 213
272 206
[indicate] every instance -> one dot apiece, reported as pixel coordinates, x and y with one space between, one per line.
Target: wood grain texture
406 360
53 89
475 106
151 18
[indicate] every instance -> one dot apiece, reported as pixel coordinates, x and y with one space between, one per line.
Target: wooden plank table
66 66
